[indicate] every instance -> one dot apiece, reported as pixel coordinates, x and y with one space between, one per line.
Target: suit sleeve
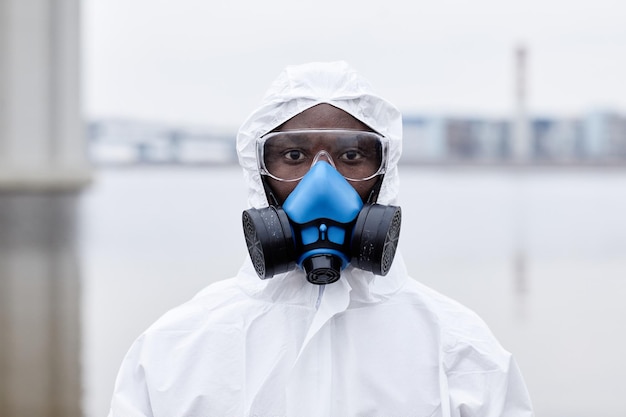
130 395
482 379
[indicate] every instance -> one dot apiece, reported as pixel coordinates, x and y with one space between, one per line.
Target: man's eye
351 155
294 155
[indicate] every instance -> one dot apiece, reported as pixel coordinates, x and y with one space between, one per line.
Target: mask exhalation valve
322 269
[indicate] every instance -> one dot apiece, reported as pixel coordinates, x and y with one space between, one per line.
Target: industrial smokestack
521 128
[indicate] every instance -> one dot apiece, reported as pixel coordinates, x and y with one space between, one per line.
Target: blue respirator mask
323 226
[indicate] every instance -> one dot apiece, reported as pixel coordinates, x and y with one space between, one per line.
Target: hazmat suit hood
301 87
295 90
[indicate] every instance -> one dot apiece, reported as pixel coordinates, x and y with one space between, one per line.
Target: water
540 255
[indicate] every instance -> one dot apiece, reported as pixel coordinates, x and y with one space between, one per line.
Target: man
336 327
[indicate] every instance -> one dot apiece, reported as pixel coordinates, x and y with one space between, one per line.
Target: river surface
540 255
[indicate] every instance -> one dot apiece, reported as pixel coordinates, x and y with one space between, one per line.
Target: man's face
321 116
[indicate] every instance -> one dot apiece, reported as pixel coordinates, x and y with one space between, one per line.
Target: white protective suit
366 345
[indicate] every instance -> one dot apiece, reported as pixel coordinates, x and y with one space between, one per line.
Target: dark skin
321 116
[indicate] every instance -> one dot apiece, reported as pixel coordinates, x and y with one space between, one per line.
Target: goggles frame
260 149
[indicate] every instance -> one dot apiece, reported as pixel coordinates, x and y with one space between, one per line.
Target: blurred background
120 195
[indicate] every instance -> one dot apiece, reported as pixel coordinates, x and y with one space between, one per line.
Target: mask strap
373 196
269 194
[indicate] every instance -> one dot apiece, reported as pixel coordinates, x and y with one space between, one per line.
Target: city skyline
596 137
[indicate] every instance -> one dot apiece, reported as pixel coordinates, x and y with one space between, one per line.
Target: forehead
323 116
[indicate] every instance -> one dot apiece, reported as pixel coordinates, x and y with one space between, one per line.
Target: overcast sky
208 62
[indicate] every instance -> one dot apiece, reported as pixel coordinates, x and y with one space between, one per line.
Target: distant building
438 139
558 140
424 139
114 142
596 137
605 135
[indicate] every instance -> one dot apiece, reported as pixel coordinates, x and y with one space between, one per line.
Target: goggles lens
288 155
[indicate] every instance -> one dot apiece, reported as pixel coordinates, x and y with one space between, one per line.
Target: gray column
43 166
39 305
42 143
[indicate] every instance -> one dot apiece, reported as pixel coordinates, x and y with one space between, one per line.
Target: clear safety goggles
288 155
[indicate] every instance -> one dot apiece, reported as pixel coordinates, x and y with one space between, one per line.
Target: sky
209 62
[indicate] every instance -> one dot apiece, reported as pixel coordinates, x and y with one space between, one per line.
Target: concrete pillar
43 166
42 144
39 305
